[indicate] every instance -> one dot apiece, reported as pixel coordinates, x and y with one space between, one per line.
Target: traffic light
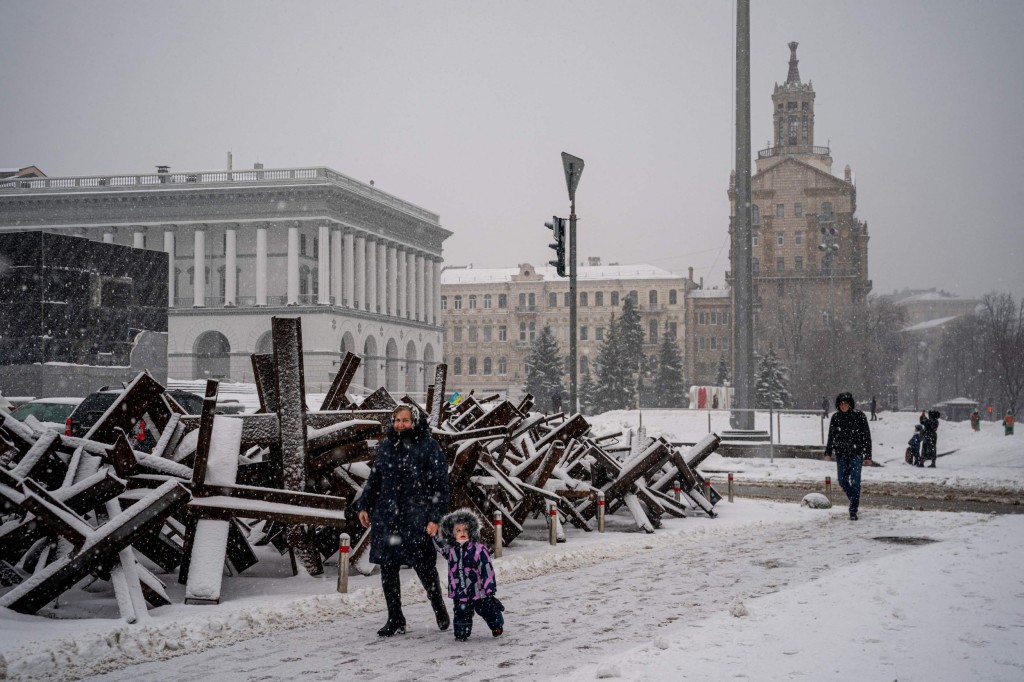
557 225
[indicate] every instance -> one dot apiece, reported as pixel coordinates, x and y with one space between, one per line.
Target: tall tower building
810 251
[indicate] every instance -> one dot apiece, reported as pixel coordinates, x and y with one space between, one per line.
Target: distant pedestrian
714 402
930 440
914 446
1008 423
556 401
824 406
471 583
849 441
874 409
975 420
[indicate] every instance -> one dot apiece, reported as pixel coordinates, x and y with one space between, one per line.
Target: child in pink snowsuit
471 583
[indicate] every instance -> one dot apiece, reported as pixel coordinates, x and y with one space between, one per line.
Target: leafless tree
1003 321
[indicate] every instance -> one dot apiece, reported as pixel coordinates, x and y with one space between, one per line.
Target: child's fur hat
463 516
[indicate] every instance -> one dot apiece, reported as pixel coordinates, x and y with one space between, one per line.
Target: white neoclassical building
360 267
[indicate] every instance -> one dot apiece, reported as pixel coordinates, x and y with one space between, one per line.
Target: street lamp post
573 167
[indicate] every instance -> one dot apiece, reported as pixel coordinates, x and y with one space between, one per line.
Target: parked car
52 412
96 403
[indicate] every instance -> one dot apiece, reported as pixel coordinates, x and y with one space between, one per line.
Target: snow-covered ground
766 591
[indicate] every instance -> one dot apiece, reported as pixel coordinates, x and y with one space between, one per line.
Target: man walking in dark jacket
849 441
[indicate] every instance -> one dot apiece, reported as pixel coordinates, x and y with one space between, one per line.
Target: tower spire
794 71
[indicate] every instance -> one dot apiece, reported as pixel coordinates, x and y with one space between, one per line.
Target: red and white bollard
678 490
343 563
828 488
707 490
553 524
497 534
730 487
600 512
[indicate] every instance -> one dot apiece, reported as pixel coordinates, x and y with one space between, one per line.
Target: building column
438 266
169 250
261 265
348 269
139 238
403 288
428 290
336 291
360 299
198 268
420 289
231 266
410 281
382 277
108 235
323 265
371 274
293 265
392 280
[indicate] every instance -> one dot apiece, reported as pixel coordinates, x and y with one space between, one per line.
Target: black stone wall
69 299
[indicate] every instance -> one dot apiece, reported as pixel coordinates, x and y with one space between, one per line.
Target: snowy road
559 621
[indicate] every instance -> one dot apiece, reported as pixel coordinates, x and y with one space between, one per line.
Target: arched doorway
391 366
265 345
371 371
410 367
429 367
212 352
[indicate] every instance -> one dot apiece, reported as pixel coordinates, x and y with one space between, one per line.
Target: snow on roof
470 275
930 324
709 293
932 296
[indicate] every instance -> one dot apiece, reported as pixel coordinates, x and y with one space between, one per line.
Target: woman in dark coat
930 439
405 498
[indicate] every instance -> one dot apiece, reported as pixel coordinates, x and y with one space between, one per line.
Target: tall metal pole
574 363
743 285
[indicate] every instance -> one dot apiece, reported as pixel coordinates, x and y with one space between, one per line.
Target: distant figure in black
405 498
824 406
874 409
556 401
849 441
930 439
714 402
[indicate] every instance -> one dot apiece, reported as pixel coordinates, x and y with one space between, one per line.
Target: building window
805 134
457 366
502 366
502 300
652 298
472 301
780 289
725 317
472 366
522 331
701 344
725 343
755 215
755 266
583 299
584 365
474 335
755 240
672 329
633 296
456 333
826 209
780 239
673 297
487 333
615 298
798 238
487 301
780 210
652 331
583 333
502 333
533 331
780 264
599 299
532 298
568 299
458 302
798 263
522 301
302 244
599 333
798 210
444 303
701 319
714 317
487 365
713 340
552 300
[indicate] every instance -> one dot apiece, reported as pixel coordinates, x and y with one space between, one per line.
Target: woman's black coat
407 488
930 437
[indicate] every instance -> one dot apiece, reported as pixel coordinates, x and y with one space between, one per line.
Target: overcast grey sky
464 107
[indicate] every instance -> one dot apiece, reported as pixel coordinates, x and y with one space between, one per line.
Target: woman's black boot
392 627
393 598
